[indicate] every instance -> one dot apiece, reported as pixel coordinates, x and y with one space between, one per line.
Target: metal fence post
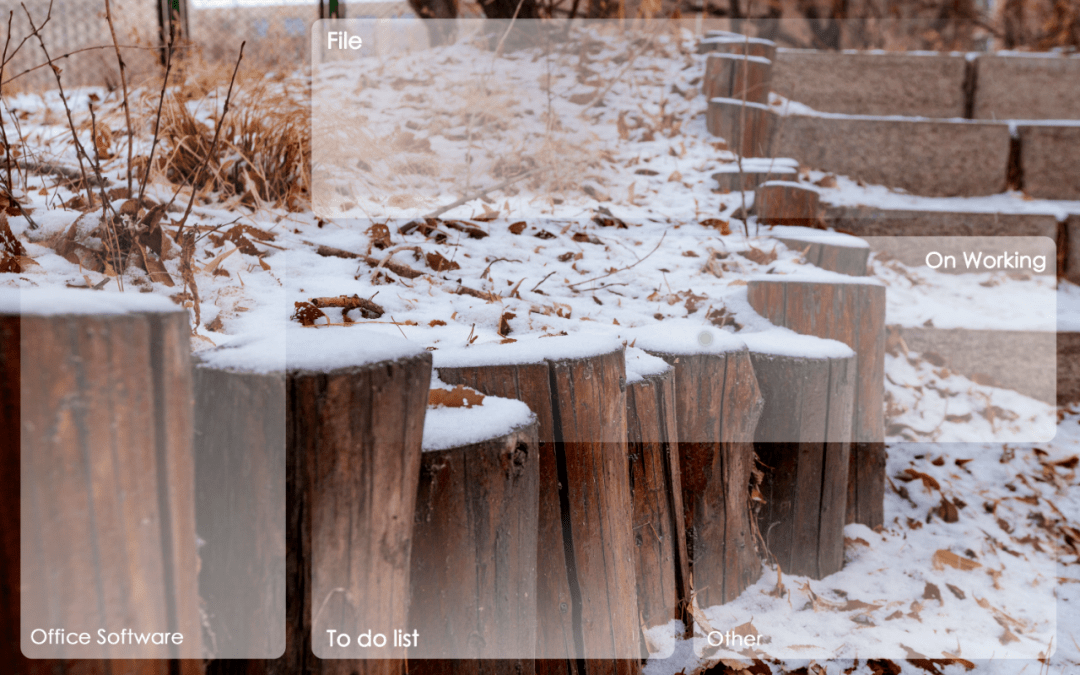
173 22
331 9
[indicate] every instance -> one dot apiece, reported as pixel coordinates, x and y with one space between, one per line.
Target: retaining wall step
1050 160
1027 86
1019 360
872 221
1068 367
925 157
923 85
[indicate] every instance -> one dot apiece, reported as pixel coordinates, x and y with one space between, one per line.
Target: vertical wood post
663 570
473 566
105 478
747 128
803 443
240 508
717 405
852 312
586 599
737 77
780 202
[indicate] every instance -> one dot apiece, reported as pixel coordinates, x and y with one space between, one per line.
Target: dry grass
264 153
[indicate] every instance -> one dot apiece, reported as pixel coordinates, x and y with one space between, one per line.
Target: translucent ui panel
414 117
152 492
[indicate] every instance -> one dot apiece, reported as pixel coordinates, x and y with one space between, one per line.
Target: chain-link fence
78 36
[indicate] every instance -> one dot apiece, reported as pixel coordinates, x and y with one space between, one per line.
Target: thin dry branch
123 85
80 152
213 145
623 269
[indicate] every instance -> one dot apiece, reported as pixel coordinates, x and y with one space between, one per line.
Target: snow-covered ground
641 245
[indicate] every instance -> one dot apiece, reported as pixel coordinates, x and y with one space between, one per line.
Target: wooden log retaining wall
803 442
852 312
586 597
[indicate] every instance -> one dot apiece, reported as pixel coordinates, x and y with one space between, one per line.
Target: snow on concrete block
925 157
1027 86
1050 160
872 83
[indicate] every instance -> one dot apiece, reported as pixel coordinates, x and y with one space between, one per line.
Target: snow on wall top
61 301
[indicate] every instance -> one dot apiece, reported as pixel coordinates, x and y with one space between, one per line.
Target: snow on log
831 251
738 44
732 75
107 520
576 386
747 128
663 572
850 310
803 442
473 563
717 406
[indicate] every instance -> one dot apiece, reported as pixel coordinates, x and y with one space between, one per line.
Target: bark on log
803 442
787 203
852 313
353 437
717 404
848 260
737 77
473 565
746 128
586 602
106 537
663 570
240 463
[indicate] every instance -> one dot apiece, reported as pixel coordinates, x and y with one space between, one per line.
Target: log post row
349 449
473 564
803 442
663 570
106 520
717 405
850 310
586 602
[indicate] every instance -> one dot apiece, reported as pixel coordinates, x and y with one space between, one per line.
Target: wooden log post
753 173
737 77
717 405
747 128
803 442
240 460
354 431
738 44
103 478
831 251
663 569
586 599
473 566
852 311
781 202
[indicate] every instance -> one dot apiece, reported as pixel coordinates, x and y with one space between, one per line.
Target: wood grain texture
353 438
732 75
473 564
586 598
717 408
663 569
748 128
117 389
108 536
855 315
240 509
803 442
785 204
